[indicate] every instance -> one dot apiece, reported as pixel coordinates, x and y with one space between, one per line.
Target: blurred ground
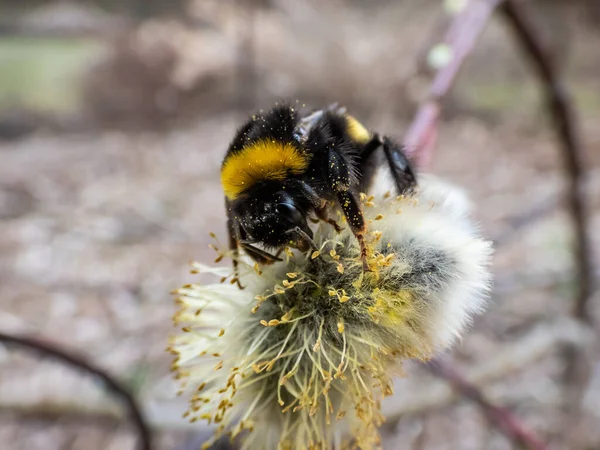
104 200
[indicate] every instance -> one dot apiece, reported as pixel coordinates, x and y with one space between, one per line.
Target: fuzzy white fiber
315 339
440 221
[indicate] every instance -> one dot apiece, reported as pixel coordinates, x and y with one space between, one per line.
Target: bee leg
315 200
400 167
319 205
234 243
370 161
355 218
322 215
339 181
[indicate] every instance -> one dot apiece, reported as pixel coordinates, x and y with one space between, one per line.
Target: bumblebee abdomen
356 131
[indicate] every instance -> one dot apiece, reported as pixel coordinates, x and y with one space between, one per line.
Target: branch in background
525 219
420 140
459 42
577 372
166 415
46 349
505 420
563 118
537 344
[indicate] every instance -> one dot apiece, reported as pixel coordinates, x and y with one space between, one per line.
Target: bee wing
337 109
306 124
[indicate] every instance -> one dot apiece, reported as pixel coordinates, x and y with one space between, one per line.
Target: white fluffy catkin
303 356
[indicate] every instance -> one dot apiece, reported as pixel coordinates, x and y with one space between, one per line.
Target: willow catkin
304 355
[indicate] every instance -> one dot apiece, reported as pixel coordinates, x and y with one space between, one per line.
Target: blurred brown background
114 117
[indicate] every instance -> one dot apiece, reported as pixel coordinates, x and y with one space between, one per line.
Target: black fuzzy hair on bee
277 125
330 133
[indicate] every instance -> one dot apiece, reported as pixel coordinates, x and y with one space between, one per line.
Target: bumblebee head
273 216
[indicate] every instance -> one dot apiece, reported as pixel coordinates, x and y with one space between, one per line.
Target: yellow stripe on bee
357 131
260 161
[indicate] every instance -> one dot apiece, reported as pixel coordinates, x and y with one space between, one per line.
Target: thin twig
503 418
519 222
577 371
460 40
166 414
420 140
46 349
537 344
563 118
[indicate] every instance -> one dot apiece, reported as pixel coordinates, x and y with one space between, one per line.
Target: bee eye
290 213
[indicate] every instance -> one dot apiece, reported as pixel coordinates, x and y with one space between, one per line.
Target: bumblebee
283 168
